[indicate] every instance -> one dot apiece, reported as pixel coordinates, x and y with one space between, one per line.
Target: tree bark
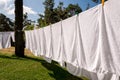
19 40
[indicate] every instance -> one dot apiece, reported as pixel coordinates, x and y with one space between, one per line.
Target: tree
26 21
61 12
73 9
29 27
49 14
5 23
41 21
19 40
53 15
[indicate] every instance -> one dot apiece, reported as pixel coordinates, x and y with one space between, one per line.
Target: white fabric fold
112 28
38 44
89 39
48 41
57 42
5 40
69 35
42 42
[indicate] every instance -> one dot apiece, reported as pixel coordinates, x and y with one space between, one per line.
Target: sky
35 7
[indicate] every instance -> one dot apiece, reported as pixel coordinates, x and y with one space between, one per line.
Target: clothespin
102 2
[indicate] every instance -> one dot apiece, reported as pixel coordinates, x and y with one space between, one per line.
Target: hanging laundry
89 29
31 41
48 41
57 41
48 44
37 42
42 42
111 42
5 40
69 40
89 42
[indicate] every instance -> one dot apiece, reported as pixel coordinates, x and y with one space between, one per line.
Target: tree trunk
19 40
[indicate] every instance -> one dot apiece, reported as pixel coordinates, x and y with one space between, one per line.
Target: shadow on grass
58 72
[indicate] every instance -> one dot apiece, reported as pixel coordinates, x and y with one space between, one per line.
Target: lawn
30 68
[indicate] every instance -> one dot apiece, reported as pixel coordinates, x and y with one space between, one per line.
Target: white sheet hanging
5 40
57 42
69 35
104 58
28 40
27 43
111 51
32 41
37 41
47 44
89 43
89 29
42 42
48 41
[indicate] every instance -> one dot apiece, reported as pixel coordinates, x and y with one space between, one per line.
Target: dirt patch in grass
11 50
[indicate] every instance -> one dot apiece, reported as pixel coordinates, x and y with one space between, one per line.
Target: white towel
30 40
37 41
6 42
58 52
111 37
48 42
101 41
27 40
88 43
42 42
89 29
45 42
69 28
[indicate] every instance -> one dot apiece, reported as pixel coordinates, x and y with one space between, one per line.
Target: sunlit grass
30 68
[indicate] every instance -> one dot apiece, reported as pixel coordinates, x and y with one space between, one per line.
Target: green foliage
29 27
28 24
41 20
5 23
61 12
53 15
25 20
31 68
49 4
73 9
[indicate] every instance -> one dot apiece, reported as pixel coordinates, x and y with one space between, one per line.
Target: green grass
31 68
